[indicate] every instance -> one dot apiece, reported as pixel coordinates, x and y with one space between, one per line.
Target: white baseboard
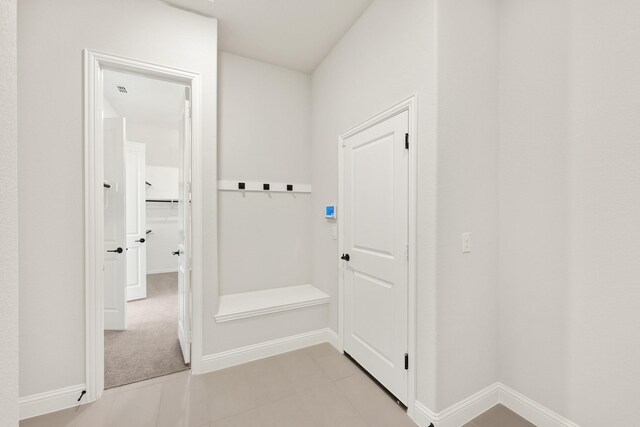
227 359
50 401
532 411
469 408
423 416
460 413
56 400
334 340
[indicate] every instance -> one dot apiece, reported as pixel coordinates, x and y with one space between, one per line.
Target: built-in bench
258 303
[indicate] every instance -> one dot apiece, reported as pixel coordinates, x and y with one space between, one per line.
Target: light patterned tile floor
313 387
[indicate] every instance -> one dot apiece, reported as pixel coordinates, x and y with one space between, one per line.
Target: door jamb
410 105
94 65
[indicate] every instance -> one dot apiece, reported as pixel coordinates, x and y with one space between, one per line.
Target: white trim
423 416
469 408
238 356
55 400
411 106
274 187
530 410
94 65
260 303
334 340
459 413
197 226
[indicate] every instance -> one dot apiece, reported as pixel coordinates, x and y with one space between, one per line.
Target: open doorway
188 326
146 130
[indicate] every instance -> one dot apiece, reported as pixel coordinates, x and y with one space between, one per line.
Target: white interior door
375 238
136 221
115 266
184 235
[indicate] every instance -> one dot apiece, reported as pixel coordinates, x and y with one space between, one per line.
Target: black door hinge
406 361
406 141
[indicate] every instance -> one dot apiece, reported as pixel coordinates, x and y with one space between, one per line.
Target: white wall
534 199
263 121
51 170
107 109
161 141
397 49
605 214
264 239
8 217
569 155
385 57
467 198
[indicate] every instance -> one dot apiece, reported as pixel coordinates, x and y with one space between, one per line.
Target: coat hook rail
261 186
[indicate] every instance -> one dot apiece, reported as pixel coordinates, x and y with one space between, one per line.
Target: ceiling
296 34
147 100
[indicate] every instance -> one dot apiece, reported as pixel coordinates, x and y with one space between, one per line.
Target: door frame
128 146
95 63
410 105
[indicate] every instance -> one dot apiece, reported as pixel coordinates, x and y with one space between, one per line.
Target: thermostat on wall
330 212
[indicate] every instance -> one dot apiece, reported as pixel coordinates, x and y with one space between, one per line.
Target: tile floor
312 387
499 416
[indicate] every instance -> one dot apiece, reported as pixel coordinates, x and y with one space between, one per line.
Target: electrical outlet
466 243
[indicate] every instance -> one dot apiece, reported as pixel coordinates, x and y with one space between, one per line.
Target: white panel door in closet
375 197
184 235
136 221
115 266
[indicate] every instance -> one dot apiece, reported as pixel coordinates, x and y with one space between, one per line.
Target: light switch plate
466 243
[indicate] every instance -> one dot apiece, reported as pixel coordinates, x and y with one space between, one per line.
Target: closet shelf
161 201
259 303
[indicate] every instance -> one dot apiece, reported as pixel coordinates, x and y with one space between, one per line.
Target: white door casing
136 221
184 234
375 236
95 63
114 267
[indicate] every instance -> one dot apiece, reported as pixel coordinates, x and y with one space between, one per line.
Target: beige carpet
149 347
